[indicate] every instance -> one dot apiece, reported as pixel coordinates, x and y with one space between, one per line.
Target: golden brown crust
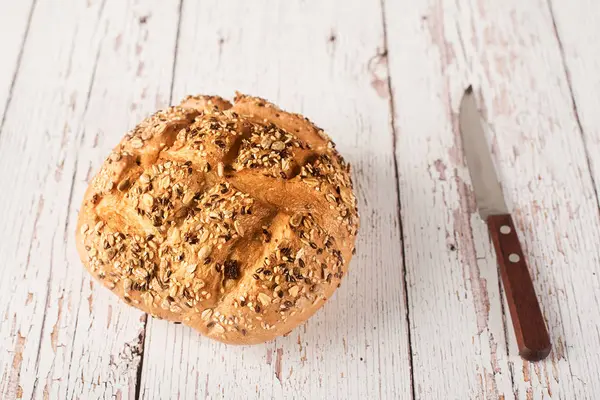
237 220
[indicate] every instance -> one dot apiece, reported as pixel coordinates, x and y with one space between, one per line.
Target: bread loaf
237 220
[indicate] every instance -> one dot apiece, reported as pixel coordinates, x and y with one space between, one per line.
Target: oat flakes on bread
237 220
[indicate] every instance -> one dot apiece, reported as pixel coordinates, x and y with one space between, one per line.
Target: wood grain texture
537 141
456 319
309 58
509 52
70 90
82 83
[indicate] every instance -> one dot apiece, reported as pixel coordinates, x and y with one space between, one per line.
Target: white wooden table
421 313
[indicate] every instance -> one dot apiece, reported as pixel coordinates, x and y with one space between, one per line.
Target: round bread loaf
237 220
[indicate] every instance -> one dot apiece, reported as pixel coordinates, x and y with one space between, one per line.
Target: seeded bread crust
237 220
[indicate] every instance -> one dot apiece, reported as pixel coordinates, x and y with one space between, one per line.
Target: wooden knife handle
530 328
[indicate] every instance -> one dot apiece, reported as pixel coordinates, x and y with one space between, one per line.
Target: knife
530 329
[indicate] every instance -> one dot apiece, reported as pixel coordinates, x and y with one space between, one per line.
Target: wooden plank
83 83
311 58
527 101
456 319
509 52
14 20
577 30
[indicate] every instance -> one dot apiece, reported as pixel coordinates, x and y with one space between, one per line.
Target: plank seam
577 119
37 361
69 202
397 181
18 65
138 373
573 102
177 36
46 302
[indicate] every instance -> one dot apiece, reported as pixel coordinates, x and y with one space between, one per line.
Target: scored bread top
237 220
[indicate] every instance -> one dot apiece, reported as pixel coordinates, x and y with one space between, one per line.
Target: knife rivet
505 229
513 258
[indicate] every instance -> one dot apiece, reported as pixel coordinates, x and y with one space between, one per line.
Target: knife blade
532 336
